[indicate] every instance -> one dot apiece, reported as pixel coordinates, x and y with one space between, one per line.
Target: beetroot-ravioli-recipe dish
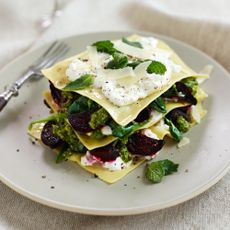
113 104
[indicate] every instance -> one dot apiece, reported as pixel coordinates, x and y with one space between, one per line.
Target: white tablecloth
204 24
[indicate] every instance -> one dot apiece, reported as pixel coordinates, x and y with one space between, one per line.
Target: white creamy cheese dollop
126 85
118 164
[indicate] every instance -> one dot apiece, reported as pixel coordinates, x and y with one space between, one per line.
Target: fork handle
13 89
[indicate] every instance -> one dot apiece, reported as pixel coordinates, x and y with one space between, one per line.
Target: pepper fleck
18 150
95 175
52 187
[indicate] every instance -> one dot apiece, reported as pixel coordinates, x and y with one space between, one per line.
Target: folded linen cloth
204 24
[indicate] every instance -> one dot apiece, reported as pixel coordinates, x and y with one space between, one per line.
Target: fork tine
55 58
49 49
52 55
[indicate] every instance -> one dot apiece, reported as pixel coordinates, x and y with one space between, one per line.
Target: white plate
202 163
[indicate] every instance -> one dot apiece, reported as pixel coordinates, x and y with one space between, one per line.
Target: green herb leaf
135 44
83 82
176 134
158 169
134 64
61 155
156 67
98 118
159 105
155 172
56 117
171 92
119 61
121 131
169 166
105 46
82 104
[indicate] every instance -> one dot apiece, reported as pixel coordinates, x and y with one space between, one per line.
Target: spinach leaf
158 169
62 153
81 83
105 46
82 104
135 44
169 166
171 92
119 61
176 134
121 131
159 105
156 67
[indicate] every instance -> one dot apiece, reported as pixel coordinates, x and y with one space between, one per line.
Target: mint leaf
134 64
119 61
135 44
81 83
156 67
105 46
168 166
159 105
176 134
158 169
155 172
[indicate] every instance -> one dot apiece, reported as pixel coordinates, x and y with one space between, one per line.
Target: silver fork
51 55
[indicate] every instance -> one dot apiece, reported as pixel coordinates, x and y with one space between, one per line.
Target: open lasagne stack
113 104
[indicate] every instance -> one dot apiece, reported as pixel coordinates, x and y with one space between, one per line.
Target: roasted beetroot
48 137
139 144
80 121
56 94
175 113
181 87
143 115
106 153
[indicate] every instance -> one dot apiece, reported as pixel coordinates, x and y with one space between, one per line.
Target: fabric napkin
203 24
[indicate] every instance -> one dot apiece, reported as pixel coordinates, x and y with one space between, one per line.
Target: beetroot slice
181 87
80 121
143 115
48 137
139 144
106 153
56 94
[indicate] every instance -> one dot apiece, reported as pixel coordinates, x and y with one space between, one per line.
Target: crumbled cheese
184 141
195 114
106 130
150 134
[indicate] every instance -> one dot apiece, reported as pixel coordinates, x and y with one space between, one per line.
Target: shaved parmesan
132 51
195 114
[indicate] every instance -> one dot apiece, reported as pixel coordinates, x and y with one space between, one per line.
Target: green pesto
98 118
97 134
192 83
182 124
68 98
124 154
67 134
